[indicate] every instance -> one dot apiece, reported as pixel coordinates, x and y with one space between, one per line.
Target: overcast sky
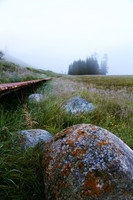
51 34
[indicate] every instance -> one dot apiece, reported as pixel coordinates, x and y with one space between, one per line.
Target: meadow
20 169
11 72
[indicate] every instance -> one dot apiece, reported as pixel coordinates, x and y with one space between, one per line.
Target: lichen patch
84 162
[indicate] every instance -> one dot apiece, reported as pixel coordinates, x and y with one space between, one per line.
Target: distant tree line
89 67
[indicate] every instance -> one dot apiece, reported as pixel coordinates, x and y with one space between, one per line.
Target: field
20 169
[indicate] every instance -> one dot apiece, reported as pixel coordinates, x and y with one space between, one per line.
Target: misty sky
51 34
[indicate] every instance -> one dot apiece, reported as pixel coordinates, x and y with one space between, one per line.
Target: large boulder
77 105
35 98
33 137
87 162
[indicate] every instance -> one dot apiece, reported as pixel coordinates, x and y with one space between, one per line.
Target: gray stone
87 162
77 105
35 98
33 137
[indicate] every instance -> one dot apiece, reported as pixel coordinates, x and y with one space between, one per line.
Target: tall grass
10 72
20 169
113 111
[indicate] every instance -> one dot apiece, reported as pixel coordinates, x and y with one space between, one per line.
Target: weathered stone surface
35 98
87 162
33 137
77 105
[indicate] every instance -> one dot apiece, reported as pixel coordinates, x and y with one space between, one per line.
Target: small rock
87 162
77 105
33 137
35 98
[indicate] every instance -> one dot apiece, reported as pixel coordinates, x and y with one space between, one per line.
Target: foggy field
87 48
105 81
21 174
112 96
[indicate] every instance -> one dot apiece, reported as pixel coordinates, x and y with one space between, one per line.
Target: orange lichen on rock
80 164
70 142
68 185
83 151
80 133
75 153
90 186
65 167
102 143
48 160
62 134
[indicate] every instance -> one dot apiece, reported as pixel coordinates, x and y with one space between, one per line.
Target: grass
20 170
10 72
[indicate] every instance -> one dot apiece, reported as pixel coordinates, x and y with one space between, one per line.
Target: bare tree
104 67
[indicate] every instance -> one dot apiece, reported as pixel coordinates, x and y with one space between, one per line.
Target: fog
51 34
